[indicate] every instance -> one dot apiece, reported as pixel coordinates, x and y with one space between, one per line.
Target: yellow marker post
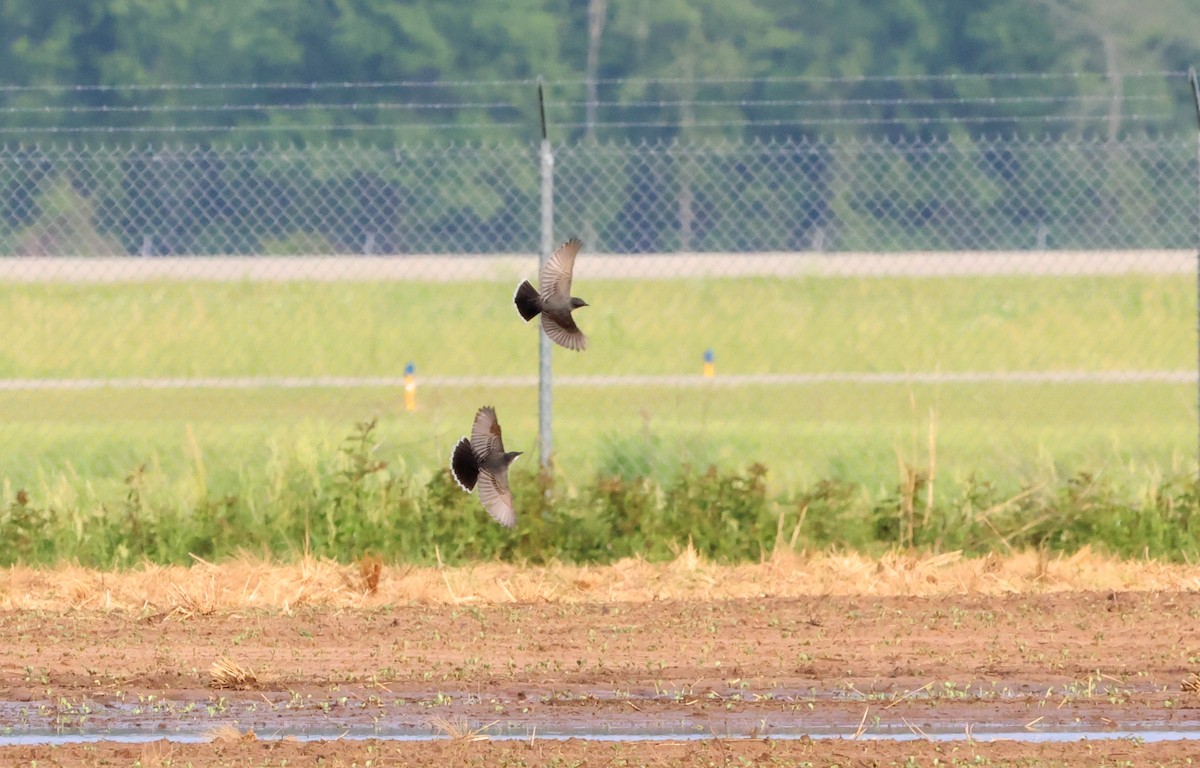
410 388
710 368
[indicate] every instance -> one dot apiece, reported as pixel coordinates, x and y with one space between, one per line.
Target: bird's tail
464 465
529 304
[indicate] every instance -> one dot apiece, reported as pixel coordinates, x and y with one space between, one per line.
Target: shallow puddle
651 732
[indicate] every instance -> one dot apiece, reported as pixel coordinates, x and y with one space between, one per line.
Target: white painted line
727 380
649 266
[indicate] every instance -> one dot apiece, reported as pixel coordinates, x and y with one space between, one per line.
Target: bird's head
511 456
577 303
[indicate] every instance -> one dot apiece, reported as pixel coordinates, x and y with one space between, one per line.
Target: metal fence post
545 370
1195 84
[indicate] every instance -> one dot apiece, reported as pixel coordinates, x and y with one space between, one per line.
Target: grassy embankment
111 475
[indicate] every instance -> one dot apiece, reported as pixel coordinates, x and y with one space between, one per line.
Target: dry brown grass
156 754
460 730
227 673
180 592
193 599
370 568
230 735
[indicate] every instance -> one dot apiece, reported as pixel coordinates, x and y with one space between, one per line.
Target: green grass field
758 325
802 433
76 449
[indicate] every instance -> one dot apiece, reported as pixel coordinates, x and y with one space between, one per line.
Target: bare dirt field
797 661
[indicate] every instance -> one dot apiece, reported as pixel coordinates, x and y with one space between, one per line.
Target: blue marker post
410 388
710 369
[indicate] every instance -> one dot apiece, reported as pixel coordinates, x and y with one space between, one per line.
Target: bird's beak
583 303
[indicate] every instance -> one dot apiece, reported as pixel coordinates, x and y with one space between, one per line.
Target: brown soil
1095 662
579 752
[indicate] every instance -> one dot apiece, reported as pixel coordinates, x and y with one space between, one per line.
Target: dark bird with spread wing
553 299
482 463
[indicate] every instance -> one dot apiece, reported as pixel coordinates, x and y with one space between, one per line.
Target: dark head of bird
577 303
511 456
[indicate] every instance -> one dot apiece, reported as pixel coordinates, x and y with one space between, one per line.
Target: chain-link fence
825 307
733 197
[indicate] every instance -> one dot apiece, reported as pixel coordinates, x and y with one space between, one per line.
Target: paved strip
651 266
735 380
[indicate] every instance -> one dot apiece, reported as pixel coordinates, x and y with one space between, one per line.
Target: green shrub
343 501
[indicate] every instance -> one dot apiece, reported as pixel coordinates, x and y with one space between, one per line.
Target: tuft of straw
193 600
461 730
370 568
227 673
156 754
229 734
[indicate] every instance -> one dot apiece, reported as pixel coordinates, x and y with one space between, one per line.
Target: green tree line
615 68
776 92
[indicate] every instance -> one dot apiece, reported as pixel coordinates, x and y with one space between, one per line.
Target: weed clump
227 673
353 505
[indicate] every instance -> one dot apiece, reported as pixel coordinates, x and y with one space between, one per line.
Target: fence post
545 371
1195 87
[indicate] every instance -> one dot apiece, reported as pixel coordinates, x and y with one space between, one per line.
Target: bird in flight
481 462
553 299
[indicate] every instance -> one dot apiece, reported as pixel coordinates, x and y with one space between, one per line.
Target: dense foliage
796 103
634 51
352 504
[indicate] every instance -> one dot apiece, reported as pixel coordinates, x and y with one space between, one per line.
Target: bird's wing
496 497
485 434
563 331
463 465
555 278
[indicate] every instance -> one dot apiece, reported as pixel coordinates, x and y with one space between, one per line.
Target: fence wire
866 195
828 307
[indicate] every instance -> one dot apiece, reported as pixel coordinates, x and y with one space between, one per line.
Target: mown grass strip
755 325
